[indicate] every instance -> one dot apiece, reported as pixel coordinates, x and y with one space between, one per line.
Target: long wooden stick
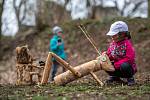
47 69
94 45
96 78
90 40
90 37
66 65
106 62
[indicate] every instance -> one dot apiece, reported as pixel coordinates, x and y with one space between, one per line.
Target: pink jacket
120 52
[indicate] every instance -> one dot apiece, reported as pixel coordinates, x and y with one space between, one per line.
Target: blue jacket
58 49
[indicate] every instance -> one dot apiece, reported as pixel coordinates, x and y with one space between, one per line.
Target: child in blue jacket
57 47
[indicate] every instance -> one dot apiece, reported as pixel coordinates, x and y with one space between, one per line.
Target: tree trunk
1 11
148 8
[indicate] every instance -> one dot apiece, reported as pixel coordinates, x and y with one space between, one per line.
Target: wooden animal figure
26 69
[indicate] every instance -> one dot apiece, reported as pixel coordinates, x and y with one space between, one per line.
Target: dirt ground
79 50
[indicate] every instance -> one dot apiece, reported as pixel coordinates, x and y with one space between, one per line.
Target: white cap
117 27
56 29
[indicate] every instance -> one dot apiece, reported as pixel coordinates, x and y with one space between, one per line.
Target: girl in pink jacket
121 53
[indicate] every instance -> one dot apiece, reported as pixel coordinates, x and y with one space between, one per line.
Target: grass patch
50 91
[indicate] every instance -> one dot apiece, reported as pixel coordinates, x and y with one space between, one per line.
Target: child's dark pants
125 71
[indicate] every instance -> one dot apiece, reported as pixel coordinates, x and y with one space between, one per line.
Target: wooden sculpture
74 73
25 67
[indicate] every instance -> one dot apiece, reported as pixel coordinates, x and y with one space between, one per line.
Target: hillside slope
78 48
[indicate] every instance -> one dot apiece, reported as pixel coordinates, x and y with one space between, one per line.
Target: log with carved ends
84 69
92 66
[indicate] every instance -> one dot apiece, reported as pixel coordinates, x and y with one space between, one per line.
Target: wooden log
66 65
102 63
84 69
47 69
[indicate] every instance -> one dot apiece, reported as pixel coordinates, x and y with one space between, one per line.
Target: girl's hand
104 52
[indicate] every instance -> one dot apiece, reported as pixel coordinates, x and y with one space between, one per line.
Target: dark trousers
125 71
54 69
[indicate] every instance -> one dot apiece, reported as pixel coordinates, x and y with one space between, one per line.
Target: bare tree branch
149 8
136 7
2 4
17 9
126 5
25 11
67 1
